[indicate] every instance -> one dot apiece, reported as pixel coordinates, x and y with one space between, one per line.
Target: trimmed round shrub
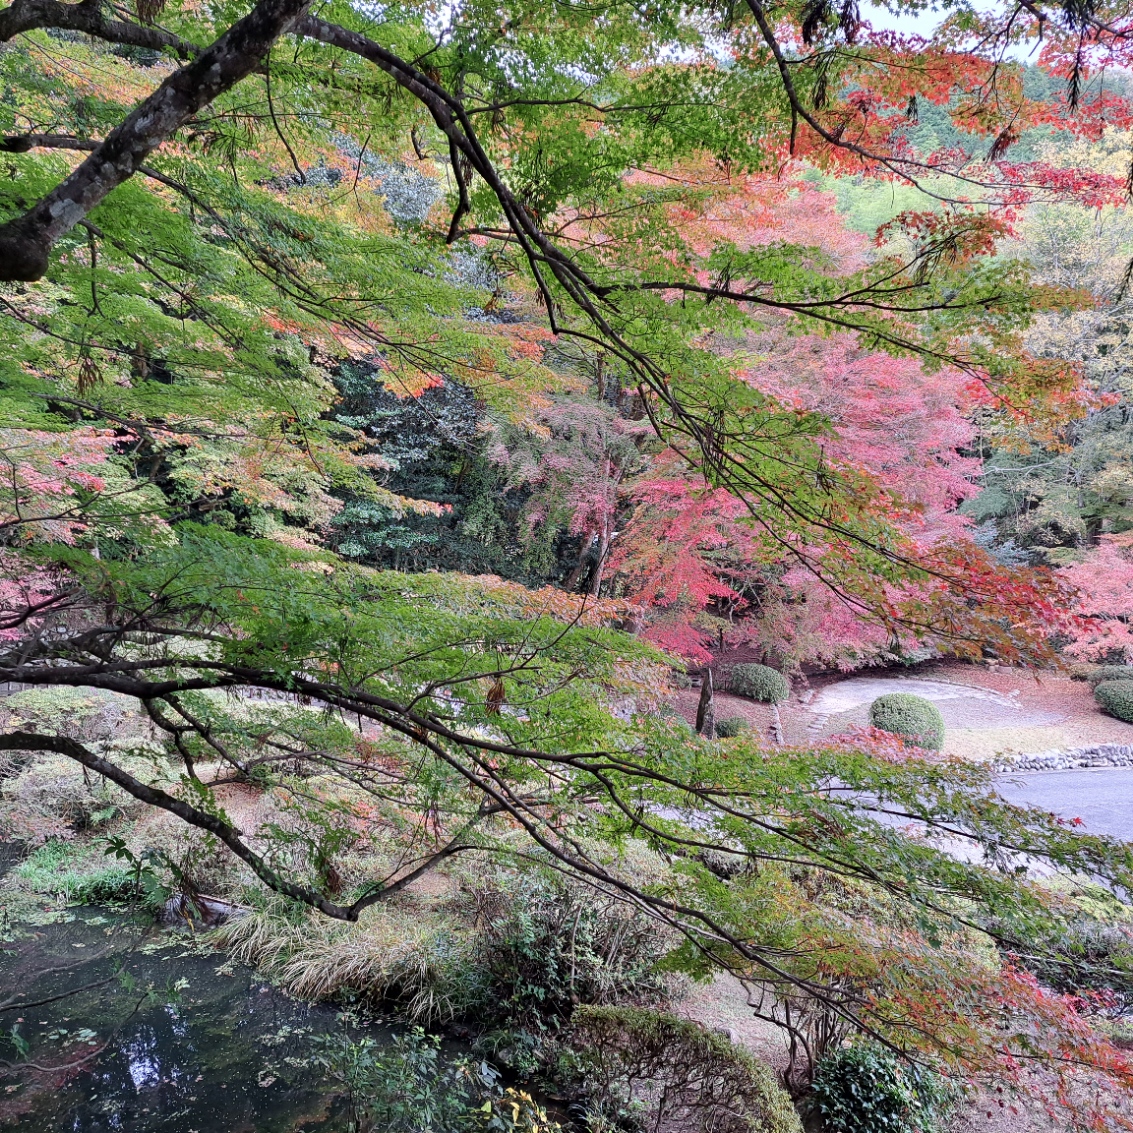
1116 698
730 726
910 716
760 682
1109 673
865 1089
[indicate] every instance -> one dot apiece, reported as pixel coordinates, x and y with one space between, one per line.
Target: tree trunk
575 576
706 709
599 566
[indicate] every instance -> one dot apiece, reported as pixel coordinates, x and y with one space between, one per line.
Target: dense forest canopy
393 397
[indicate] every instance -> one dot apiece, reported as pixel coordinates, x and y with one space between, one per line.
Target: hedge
1116 698
911 716
670 1073
1109 673
730 726
760 682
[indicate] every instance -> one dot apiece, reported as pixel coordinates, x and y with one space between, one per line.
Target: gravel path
966 708
988 710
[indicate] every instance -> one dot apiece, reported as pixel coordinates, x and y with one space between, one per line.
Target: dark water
214 1049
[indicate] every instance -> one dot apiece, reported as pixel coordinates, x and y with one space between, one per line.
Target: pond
214 1049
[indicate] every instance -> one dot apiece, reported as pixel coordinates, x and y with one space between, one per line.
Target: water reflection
221 1053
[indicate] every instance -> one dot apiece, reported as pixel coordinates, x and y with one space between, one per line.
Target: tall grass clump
424 966
507 948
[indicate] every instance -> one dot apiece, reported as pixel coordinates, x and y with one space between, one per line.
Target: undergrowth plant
546 945
407 1084
863 1088
77 874
730 727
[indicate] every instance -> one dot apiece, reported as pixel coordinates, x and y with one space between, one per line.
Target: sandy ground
987 710
758 716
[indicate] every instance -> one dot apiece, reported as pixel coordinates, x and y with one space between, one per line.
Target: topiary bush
1101 673
910 716
760 682
864 1089
1116 698
730 727
650 1070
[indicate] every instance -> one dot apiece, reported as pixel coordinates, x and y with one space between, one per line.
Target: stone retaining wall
1100 755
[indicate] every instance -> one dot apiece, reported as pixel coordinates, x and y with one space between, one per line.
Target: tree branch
156 797
26 241
88 17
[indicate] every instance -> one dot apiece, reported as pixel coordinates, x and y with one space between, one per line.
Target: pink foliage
48 478
883 745
689 549
26 592
1105 582
571 461
892 420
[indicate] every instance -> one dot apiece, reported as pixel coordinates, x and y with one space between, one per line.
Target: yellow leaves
90 70
405 380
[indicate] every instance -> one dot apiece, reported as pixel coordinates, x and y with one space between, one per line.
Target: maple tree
688 552
216 220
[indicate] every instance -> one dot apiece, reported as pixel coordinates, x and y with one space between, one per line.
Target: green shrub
544 945
87 714
730 726
647 1069
1086 954
68 871
917 719
1116 698
1102 673
671 716
511 952
760 682
865 1089
47 797
407 1084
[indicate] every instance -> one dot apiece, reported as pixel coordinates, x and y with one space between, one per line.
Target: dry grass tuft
391 954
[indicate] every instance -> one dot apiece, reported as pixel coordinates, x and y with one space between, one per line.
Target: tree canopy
284 285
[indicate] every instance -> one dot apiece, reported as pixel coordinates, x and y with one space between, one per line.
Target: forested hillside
400 403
